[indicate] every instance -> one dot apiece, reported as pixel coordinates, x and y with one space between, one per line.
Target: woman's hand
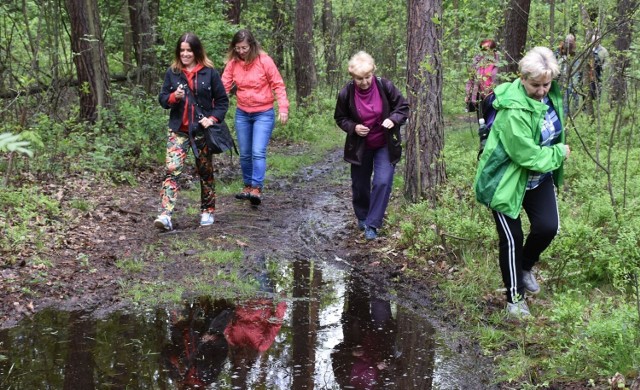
567 151
362 130
179 93
206 122
283 117
388 124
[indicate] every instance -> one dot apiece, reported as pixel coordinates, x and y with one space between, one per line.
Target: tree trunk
303 56
588 69
622 44
552 23
515 33
143 34
127 41
233 10
89 57
425 168
279 32
330 40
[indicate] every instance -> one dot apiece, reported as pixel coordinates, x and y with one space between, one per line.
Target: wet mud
330 313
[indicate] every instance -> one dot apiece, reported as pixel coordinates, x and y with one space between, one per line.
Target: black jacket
210 96
394 107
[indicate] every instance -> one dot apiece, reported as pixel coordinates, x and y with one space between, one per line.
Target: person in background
370 110
194 93
483 76
569 74
256 78
522 163
600 57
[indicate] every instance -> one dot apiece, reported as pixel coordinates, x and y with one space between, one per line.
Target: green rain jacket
513 148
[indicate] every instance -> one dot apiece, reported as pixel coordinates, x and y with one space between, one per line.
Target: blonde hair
361 64
539 62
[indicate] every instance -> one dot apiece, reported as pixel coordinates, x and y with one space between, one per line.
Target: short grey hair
538 62
361 64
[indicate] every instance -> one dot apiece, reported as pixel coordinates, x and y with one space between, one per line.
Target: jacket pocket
491 175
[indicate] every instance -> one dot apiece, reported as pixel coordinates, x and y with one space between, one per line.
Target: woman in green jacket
521 164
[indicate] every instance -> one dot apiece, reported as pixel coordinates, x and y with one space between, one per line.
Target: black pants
542 210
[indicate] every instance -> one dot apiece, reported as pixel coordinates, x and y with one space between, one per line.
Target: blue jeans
371 197
254 131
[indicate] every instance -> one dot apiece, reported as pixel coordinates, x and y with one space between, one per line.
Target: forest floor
75 265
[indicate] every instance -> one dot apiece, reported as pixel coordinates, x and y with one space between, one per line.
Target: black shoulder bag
217 136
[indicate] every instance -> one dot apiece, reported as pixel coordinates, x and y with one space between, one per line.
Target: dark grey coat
394 107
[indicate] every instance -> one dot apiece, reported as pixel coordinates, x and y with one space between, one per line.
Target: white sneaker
163 222
206 219
529 282
519 310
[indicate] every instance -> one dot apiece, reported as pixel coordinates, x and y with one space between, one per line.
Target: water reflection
367 357
197 348
333 330
251 332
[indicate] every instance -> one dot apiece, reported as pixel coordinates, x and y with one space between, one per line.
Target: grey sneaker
163 222
206 219
529 281
519 310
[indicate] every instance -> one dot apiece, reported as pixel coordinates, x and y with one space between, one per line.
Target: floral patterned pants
178 146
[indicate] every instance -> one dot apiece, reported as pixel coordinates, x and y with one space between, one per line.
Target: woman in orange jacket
256 78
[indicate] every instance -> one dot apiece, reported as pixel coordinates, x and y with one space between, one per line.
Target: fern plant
13 143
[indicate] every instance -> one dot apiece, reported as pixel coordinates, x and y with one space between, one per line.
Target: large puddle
317 326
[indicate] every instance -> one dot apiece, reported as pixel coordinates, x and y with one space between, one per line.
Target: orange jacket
256 82
255 324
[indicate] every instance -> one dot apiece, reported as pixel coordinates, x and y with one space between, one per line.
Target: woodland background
78 96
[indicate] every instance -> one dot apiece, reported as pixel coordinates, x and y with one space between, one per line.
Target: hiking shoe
519 310
370 233
163 222
361 224
255 196
529 282
206 219
244 194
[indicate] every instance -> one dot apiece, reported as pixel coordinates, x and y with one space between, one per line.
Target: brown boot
245 193
255 196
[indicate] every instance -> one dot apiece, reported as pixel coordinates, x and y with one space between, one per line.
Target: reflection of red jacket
255 324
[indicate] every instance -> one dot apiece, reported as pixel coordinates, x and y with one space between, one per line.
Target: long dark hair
254 46
199 54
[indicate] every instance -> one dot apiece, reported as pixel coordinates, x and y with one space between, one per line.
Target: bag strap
198 113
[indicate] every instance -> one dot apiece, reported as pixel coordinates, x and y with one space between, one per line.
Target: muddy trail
332 311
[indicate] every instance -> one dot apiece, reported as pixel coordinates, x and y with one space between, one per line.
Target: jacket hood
513 95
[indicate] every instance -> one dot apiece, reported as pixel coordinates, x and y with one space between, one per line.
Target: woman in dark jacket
370 110
194 93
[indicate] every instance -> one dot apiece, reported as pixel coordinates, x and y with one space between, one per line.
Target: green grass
586 326
222 257
130 265
223 284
